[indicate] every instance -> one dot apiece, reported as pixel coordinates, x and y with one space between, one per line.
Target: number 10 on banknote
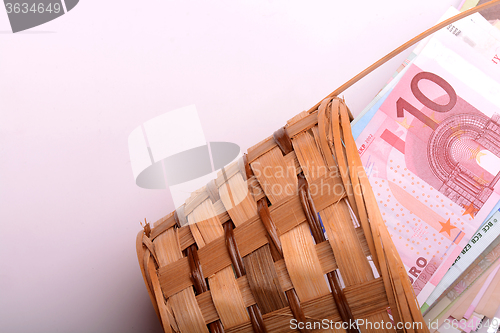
432 152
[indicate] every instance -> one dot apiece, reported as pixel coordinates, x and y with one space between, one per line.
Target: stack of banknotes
430 144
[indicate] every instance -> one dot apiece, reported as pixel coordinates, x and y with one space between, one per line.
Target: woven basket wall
247 253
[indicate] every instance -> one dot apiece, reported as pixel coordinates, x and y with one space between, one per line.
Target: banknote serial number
454 30
35 8
476 238
365 145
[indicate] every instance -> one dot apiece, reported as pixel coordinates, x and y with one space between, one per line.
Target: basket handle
403 47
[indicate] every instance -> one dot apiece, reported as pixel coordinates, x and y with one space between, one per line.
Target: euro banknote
492 14
474 31
467 286
487 236
432 152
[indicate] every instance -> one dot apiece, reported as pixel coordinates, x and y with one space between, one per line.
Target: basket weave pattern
247 253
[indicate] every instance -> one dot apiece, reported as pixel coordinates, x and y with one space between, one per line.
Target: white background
72 90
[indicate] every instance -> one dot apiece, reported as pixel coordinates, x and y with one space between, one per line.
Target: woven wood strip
196 199
146 262
167 247
309 156
285 144
292 162
233 251
265 217
283 141
325 256
186 238
204 224
149 244
245 167
213 191
187 314
207 307
263 280
239 268
171 318
176 276
180 216
318 235
345 243
338 150
162 225
255 189
276 177
340 231
283 277
237 200
296 118
232 310
324 129
354 162
303 263
327 262
310 210
229 171
162 307
200 285
140 248
213 257
276 254
222 214
245 290
315 131
199 282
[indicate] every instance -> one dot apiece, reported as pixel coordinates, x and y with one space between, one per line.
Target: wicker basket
255 234
248 252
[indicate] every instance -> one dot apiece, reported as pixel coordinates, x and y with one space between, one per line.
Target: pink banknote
432 153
